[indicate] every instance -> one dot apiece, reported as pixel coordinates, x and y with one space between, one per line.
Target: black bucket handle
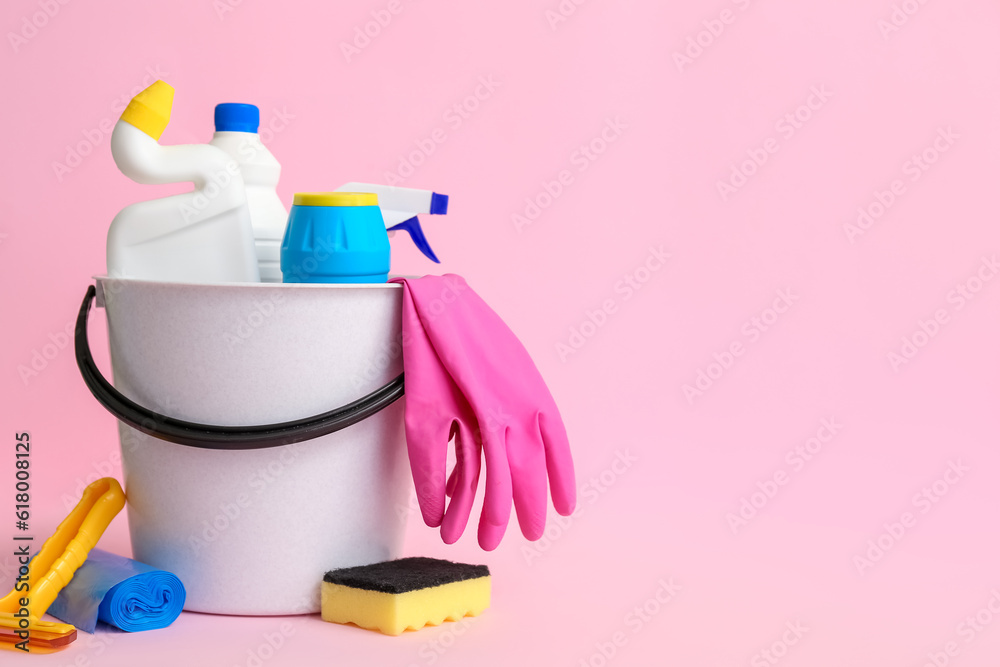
207 436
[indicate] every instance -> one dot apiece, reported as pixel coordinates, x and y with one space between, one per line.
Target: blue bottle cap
236 117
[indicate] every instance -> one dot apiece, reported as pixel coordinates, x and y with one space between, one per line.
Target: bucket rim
105 278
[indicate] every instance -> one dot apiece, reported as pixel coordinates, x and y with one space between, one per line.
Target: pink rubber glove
468 376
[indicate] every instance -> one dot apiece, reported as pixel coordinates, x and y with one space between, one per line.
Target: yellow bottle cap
150 110
335 199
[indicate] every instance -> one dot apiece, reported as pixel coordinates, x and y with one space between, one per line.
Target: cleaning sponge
405 594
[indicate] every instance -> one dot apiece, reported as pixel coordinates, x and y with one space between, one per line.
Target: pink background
889 91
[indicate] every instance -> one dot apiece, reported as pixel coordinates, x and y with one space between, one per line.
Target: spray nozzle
400 207
416 232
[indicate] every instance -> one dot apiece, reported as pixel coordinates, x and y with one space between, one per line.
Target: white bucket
251 532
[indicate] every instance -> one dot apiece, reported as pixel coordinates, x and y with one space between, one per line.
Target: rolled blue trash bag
120 591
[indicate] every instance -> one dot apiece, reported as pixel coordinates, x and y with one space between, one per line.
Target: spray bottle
204 236
343 236
400 207
335 237
236 133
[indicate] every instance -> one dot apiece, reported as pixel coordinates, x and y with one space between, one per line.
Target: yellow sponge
405 594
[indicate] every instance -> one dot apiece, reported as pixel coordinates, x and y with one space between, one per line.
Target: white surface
268 215
199 236
252 532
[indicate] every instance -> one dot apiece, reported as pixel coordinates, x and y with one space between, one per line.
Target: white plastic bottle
204 236
236 133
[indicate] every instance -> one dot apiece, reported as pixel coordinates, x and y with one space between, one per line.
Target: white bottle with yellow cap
204 236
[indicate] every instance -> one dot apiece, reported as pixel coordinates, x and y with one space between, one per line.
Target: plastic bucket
252 531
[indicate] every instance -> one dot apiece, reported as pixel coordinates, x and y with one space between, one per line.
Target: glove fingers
449 490
462 484
530 489
428 452
427 423
558 462
497 499
490 535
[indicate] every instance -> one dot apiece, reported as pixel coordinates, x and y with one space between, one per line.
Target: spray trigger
412 227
